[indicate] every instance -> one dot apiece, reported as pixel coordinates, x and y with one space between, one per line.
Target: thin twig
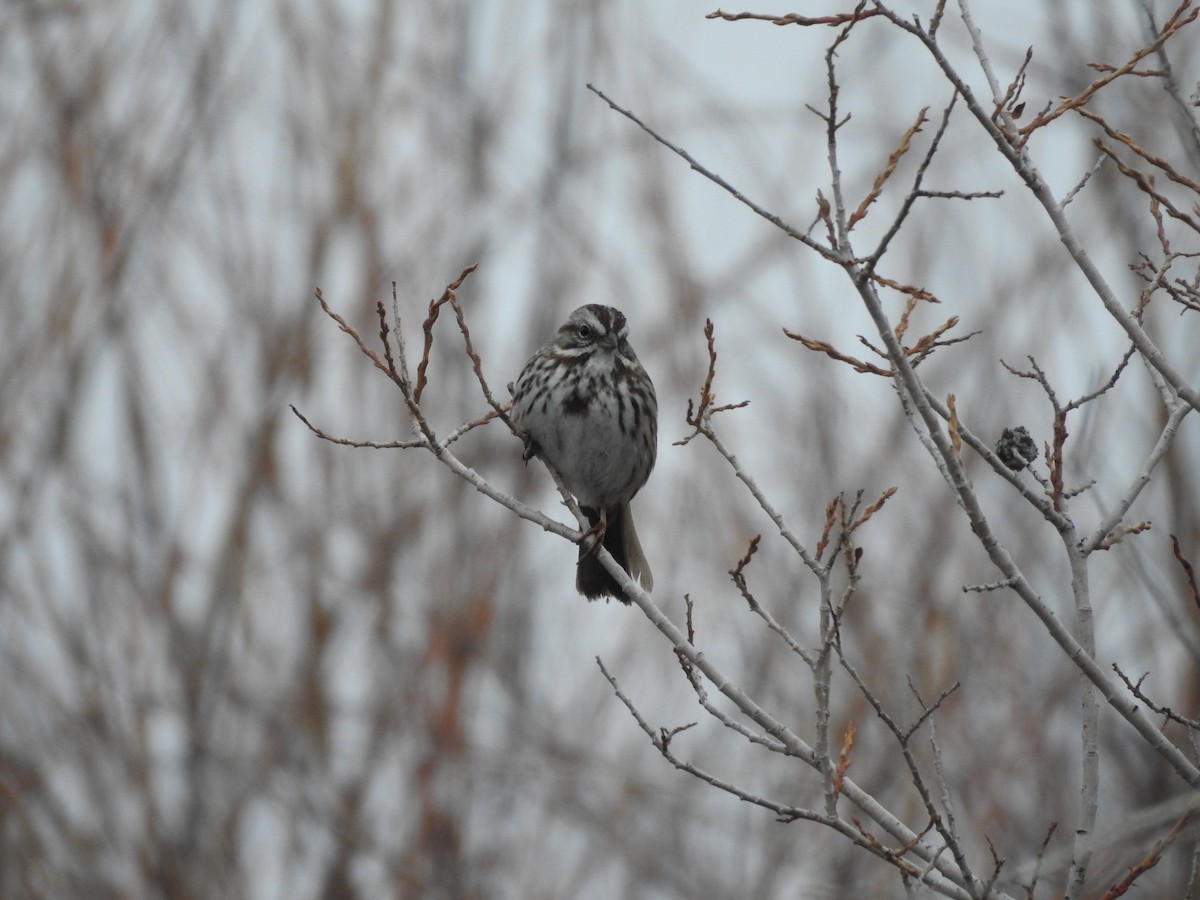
373 445
717 179
1149 861
793 19
1135 688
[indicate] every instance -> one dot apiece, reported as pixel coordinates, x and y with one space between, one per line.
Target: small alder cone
1016 448
588 408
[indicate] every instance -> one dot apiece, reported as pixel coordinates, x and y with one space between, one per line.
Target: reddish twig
829 350
890 167
1187 570
1012 96
831 513
902 326
736 573
843 763
872 509
1157 161
435 307
909 289
918 351
824 210
699 412
386 368
1180 18
930 342
952 427
1149 861
1145 183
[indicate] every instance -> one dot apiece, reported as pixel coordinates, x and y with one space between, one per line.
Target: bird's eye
585 331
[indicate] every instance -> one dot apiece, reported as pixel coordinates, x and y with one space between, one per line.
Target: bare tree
918 289
930 845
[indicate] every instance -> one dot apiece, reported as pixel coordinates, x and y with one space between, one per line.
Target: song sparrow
588 408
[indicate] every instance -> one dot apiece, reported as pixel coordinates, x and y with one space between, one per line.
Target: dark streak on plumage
576 404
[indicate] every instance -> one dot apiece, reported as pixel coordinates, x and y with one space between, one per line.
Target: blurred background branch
239 661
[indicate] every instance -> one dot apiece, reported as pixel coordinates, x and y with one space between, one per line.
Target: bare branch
718 180
1135 688
1149 861
704 408
1188 570
829 350
889 167
1180 18
390 445
435 307
793 19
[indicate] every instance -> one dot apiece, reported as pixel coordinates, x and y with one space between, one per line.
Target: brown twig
1149 861
1188 571
952 428
1012 95
381 312
1106 387
736 573
890 167
902 326
918 351
829 350
909 289
1146 184
1180 18
386 369
435 306
698 413
895 857
824 210
930 342
1157 161
793 19
918 192
831 512
843 763
872 509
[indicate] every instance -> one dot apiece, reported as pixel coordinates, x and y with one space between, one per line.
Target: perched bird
587 407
